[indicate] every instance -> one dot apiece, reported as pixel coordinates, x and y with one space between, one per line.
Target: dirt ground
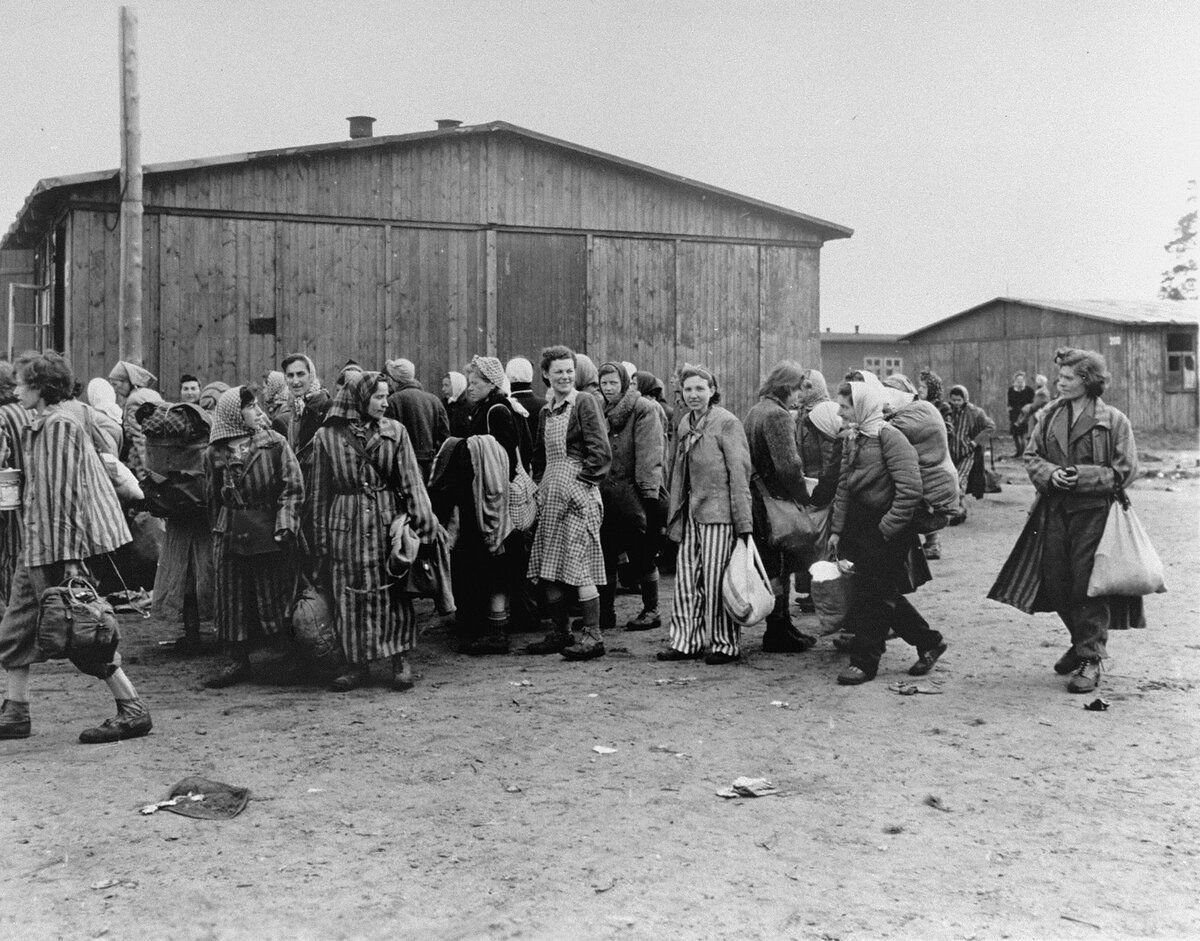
475 806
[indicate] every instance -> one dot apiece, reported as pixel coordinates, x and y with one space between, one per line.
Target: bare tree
1179 280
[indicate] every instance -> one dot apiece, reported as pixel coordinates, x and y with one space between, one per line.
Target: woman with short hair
364 475
709 510
1081 455
571 458
71 514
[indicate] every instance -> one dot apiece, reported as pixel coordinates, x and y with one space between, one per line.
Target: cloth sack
830 591
789 527
745 588
1125 562
313 627
75 623
522 507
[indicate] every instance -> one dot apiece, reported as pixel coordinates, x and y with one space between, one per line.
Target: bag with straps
745 588
522 504
1125 561
76 624
832 585
789 526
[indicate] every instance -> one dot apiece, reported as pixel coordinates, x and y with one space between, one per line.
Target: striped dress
254 593
353 498
13 420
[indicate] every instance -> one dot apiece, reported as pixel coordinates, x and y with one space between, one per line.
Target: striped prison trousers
698 614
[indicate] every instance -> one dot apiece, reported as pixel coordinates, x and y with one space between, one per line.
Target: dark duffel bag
76 624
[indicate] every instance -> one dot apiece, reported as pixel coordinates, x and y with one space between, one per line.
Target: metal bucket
10 489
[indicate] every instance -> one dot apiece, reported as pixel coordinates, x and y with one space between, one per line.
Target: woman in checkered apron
570 459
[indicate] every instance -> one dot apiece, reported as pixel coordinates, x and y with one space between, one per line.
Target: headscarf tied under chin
275 393
314 381
228 421
458 385
868 400
959 390
587 379
351 400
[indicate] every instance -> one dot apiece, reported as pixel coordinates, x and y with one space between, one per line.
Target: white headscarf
868 400
458 385
103 398
826 418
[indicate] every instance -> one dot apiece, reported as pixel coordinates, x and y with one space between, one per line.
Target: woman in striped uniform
364 475
710 508
13 419
570 459
255 491
71 514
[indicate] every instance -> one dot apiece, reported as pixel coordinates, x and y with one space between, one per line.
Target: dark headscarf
648 384
350 402
617 368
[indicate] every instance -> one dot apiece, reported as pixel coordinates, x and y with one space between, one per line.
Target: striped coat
257 472
352 500
13 420
71 509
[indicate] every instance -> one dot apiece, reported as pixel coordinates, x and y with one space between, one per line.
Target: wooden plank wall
631 303
541 295
789 306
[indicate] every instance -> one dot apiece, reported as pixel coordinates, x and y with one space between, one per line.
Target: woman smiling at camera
709 510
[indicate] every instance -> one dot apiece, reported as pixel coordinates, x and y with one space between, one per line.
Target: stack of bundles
176 437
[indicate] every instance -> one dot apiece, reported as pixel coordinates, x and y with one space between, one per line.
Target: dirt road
475 806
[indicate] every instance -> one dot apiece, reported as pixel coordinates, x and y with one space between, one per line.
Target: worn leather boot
781 635
131 721
14 719
591 643
648 619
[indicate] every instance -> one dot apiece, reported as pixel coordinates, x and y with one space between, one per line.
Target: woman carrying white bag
1080 456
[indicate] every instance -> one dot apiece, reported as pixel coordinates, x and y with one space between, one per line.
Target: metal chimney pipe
448 124
360 126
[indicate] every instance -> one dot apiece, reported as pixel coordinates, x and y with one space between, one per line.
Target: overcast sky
1035 148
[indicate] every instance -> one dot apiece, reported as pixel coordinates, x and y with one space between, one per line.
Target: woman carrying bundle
877 496
364 476
967 426
771 432
709 511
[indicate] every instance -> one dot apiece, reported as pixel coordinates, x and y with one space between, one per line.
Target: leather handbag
75 623
787 525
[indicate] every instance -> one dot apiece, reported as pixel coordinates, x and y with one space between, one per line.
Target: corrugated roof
1109 311
829 230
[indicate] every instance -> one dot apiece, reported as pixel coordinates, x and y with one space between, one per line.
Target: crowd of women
532 509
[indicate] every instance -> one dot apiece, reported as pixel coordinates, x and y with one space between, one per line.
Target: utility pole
130 284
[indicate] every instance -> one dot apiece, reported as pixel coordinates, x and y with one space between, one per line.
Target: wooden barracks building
434 246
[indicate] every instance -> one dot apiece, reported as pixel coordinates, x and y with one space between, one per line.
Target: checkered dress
566 542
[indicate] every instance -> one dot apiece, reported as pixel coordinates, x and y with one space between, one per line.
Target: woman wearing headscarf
818 429
519 372
134 437
108 416
709 510
126 377
634 512
473 473
255 493
878 494
458 409
210 394
967 426
587 378
771 434
364 476
1081 455
14 418
570 460
274 394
